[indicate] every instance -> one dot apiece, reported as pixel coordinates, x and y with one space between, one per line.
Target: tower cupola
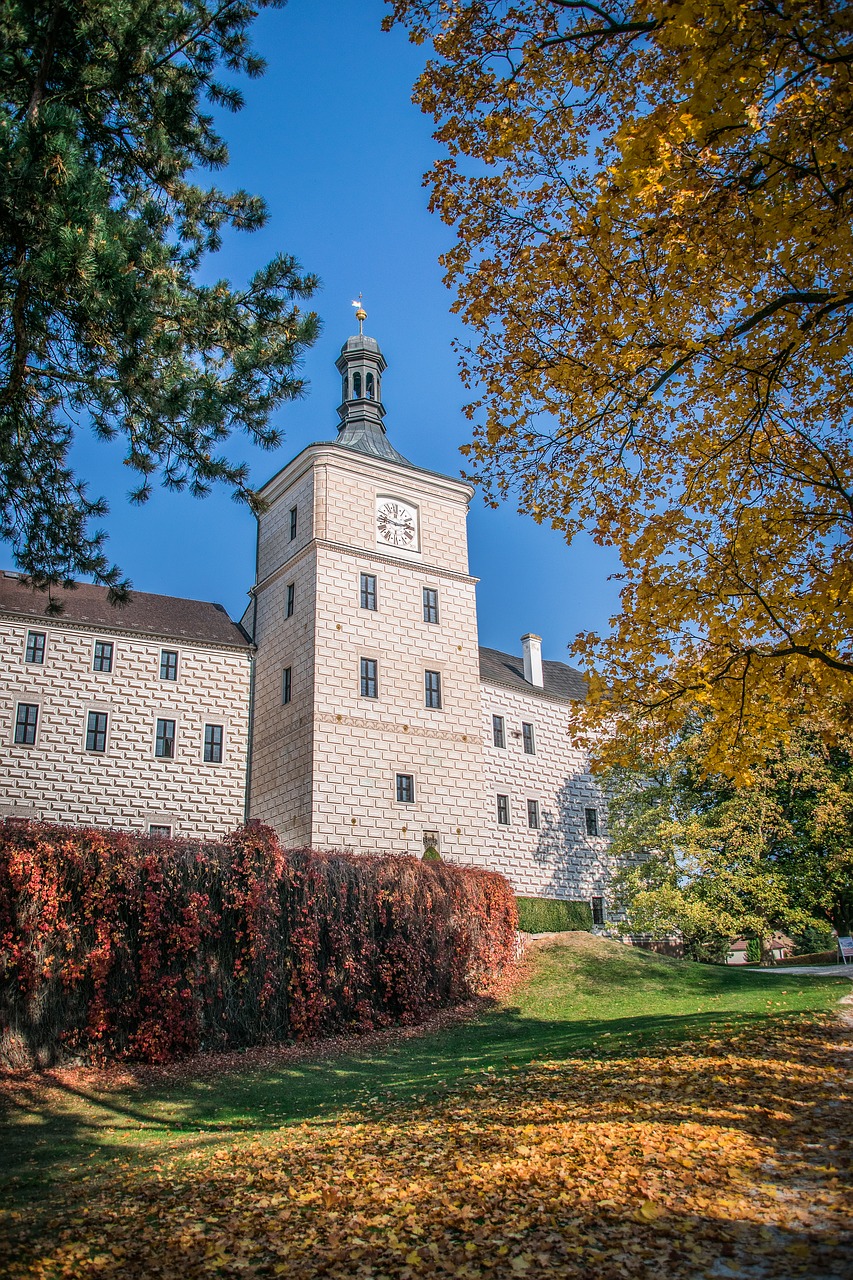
361 365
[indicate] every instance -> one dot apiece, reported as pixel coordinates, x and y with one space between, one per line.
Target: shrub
119 946
814 939
552 915
431 855
705 945
753 950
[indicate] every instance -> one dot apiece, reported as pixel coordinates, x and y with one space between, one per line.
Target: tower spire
360 315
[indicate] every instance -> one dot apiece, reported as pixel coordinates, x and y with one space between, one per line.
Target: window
498 731
26 723
291 596
286 685
35 647
96 731
432 689
591 816
369 681
598 911
527 738
405 788
533 813
430 604
503 810
168 664
164 742
160 829
213 744
356 386
368 591
103 660
293 511
368 382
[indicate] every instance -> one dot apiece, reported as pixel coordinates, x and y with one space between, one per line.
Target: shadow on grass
80 1127
461 1179
572 1006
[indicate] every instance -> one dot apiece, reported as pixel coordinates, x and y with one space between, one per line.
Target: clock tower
367 714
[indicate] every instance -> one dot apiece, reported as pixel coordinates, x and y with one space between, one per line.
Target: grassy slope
586 998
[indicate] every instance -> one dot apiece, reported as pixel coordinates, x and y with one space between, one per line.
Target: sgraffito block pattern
125 786
558 859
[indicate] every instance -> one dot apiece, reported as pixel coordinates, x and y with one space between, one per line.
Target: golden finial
360 315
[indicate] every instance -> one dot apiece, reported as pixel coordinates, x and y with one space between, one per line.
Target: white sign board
845 946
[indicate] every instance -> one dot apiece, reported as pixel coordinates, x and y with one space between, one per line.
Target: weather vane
360 315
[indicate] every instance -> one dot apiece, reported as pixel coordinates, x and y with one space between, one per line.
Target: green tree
103 320
651 201
713 860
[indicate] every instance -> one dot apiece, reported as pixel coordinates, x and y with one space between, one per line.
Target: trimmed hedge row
814 957
552 915
121 946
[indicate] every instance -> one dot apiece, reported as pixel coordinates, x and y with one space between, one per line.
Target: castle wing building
133 717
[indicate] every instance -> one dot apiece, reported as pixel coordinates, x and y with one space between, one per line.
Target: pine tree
104 124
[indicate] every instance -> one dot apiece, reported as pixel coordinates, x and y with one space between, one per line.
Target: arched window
356 386
346 386
369 387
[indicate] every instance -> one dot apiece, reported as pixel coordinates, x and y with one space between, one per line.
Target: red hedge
120 946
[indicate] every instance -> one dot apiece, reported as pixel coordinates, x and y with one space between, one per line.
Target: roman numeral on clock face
396 524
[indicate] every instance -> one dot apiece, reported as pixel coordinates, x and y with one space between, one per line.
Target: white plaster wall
559 860
362 743
127 787
282 754
324 768
351 484
335 491
275 546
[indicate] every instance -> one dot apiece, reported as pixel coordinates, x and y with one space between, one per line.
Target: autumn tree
105 125
712 860
653 249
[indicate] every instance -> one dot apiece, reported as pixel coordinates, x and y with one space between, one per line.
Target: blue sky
330 138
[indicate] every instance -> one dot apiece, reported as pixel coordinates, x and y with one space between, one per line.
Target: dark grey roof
368 437
145 613
560 680
361 342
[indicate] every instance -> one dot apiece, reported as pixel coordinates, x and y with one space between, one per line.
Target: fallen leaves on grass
698 1162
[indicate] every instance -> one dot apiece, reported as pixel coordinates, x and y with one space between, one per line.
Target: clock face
396 524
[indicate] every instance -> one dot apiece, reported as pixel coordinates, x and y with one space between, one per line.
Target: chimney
532 649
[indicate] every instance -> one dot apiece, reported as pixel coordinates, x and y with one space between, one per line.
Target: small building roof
559 680
144 613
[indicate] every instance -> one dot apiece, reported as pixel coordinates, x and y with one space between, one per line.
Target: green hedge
552 915
815 957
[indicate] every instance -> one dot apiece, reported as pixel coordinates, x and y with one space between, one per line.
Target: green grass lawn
587 998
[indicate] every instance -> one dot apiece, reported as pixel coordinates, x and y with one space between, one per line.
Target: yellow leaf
650 1211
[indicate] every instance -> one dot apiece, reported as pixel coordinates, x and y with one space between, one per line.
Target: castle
351 706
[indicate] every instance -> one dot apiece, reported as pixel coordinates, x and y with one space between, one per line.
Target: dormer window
371 395
356 386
